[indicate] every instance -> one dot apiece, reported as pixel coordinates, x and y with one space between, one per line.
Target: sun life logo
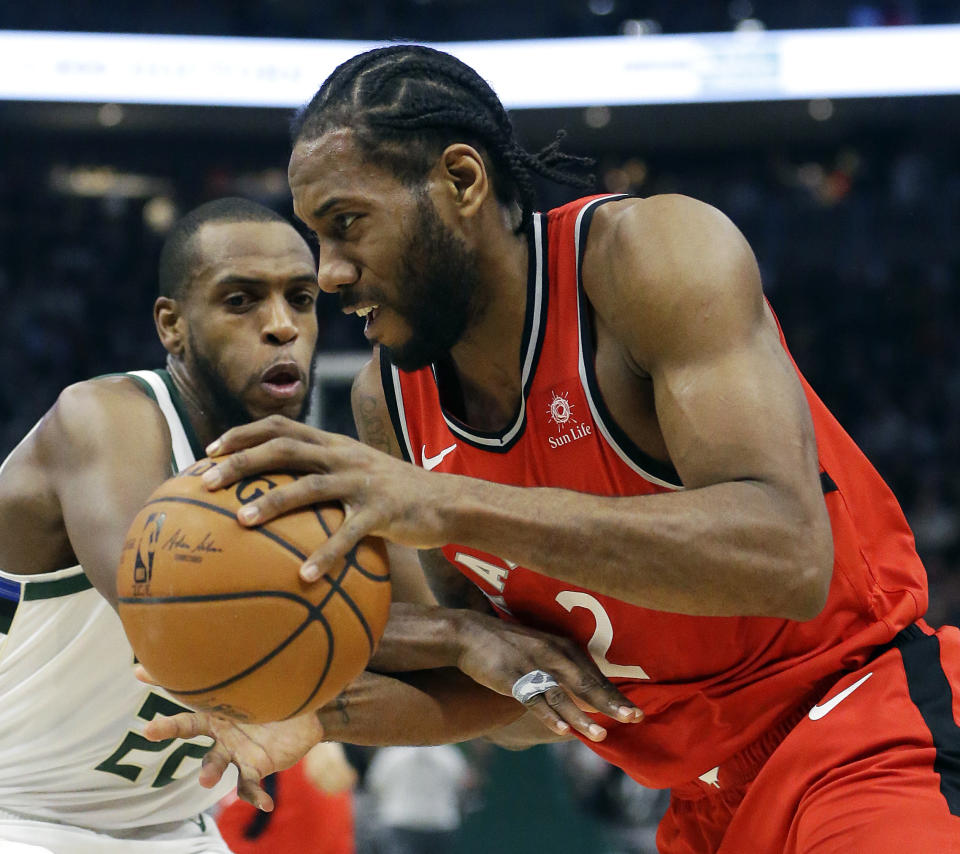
560 411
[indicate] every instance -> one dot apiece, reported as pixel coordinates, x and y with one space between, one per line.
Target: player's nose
334 270
279 325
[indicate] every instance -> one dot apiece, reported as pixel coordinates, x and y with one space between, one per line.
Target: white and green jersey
72 712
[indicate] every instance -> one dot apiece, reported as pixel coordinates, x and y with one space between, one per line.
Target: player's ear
465 176
171 325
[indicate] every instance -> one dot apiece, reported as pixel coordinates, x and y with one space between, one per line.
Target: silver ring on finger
532 685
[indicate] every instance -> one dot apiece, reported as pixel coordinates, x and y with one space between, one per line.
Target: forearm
417 637
525 732
428 707
727 549
472 662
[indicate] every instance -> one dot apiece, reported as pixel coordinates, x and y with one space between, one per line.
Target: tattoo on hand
340 704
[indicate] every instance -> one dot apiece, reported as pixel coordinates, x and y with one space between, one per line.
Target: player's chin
292 407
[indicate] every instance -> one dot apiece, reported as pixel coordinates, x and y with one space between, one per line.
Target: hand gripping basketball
218 614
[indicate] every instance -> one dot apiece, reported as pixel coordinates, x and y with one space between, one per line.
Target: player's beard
438 282
228 407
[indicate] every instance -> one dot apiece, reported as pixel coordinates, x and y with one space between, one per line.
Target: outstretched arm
430 707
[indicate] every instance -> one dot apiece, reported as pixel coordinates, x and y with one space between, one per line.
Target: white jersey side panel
72 712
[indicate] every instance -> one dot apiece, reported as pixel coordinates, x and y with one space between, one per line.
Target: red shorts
305 820
873 767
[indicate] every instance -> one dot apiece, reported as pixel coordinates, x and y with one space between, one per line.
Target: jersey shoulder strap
183 450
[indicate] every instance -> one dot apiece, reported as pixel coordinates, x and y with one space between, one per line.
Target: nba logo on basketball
146 548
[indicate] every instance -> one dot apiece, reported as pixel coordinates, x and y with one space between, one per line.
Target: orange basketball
217 613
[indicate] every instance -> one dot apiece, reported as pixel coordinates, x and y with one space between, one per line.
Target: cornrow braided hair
406 103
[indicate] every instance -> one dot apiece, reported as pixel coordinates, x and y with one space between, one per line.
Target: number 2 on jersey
599 645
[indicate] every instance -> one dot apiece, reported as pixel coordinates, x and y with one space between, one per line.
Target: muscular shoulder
98 415
94 427
370 413
669 271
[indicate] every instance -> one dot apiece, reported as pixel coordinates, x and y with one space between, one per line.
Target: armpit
449 585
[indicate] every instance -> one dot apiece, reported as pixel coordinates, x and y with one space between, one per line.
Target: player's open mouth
369 314
283 380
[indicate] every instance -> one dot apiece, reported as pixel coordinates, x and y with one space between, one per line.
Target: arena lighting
609 71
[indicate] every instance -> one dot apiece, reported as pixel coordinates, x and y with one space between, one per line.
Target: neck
200 411
487 359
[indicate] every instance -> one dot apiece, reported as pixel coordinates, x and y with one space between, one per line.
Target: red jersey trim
534 328
661 473
390 380
533 332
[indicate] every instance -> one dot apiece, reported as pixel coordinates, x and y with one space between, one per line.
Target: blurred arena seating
458 20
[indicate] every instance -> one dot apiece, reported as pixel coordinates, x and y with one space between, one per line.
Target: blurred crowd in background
855 240
460 20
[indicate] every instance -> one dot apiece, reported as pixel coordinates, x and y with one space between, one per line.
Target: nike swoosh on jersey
819 711
434 461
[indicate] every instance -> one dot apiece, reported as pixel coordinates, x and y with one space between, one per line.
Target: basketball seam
179 499
314 612
331 643
350 562
262 661
212 597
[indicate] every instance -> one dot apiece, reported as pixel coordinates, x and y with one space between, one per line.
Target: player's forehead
332 166
250 248
322 157
219 240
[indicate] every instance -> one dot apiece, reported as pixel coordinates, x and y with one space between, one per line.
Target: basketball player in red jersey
603 434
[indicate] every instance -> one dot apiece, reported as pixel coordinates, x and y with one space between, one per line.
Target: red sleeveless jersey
710 686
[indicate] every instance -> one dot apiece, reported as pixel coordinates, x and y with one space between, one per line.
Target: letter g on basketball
251 488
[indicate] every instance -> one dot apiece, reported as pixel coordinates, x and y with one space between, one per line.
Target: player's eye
343 221
302 300
237 301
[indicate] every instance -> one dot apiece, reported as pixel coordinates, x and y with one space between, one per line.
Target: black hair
406 103
175 268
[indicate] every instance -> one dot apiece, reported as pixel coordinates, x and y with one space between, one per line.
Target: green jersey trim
8 608
140 381
33 590
198 450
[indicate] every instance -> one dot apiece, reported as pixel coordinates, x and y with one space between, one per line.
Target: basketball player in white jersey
236 316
